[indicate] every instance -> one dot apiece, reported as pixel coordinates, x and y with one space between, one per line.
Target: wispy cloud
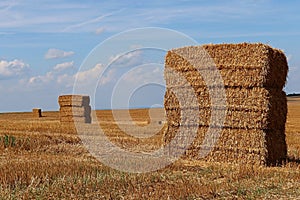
49 16
65 16
6 33
90 21
63 66
57 53
6 5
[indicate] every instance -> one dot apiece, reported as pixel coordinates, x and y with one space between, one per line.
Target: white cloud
99 30
88 79
37 80
10 69
65 80
63 66
85 79
85 76
130 59
57 53
145 74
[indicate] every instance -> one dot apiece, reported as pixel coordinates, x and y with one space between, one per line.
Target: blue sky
44 43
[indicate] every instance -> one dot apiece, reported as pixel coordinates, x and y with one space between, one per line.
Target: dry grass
40 159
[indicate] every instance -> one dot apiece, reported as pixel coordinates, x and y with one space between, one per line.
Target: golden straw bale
270 145
74 108
75 111
73 100
247 65
255 107
71 119
37 112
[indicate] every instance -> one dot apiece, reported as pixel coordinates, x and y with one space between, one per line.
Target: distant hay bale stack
73 101
256 107
37 112
75 109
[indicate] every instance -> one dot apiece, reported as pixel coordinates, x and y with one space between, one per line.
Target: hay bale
234 119
250 115
256 107
246 65
74 109
37 112
267 145
236 98
73 100
75 119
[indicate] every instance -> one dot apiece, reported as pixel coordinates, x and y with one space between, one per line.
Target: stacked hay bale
254 128
37 112
75 108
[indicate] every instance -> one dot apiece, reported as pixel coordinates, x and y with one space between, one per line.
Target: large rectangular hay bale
75 119
267 145
73 100
267 111
75 111
247 65
236 98
253 76
248 119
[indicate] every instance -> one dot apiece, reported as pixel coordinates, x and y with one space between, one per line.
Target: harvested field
43 159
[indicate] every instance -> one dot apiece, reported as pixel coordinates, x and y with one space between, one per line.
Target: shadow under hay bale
256 107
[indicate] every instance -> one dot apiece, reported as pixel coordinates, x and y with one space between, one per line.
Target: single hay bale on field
255 106
74 109
73 100
37 112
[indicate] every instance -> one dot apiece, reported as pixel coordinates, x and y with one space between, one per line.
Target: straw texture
74 109
247 65
253 76
37 112
232 144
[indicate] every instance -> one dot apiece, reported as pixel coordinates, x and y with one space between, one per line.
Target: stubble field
43 159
